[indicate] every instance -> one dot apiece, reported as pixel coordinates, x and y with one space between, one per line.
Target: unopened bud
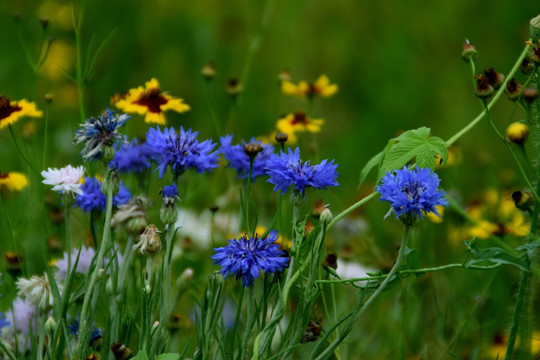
121 351
285 75
483 89
214 208
513 89
149 242
44 22
326 216
469 52
281 137
517 132
48 98
110 180
252 149
50 325
209 71
297 197
107 153
495 79
523 200
234 87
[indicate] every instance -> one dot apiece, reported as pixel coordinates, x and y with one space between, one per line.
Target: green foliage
494 254
411 145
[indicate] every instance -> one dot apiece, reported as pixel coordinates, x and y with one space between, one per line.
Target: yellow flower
152 102
298 122
321 87
284 243
13 181
434 218
12 111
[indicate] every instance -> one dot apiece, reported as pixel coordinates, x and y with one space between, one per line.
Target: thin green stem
84 335
6 351
409 272
237 317
525 276
494 100
20 151
167 276
45 128
249 322
68 232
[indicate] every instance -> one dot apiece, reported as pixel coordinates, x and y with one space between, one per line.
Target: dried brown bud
234 87
44 22
513 89
495 79
281 137
526 66
523 200
48 98
330 261
312 333
318 207
483 89
469 52
252 149
209 70
214 209
530 94
121 351
149 242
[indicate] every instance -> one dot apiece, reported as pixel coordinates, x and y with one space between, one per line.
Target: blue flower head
246 257
131 157
3 322
287 170
93 199
97 133
95 335
180 151
239 161
412 192
170 191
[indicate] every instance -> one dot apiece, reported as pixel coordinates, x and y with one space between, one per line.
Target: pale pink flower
65 179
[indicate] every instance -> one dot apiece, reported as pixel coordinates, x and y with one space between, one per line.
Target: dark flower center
6 109
312 90
299 118
412 191
152 99
4 175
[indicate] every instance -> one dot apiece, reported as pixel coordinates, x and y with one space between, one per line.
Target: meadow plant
129 277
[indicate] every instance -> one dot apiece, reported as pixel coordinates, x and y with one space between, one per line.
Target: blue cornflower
412 192
246 257
170 191
238 159
93 199
132 157
95 335
3 322
98 133
287 170
180 151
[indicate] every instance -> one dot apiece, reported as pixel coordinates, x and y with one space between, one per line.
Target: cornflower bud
48 98
326 216
168 213
526 66
121 351
44 22
517 132
330 261
252 149
530 94
149 242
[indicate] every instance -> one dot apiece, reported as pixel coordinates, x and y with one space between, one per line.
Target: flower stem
68 234
44 157
494 100
86 327
6 351
19 150
249 322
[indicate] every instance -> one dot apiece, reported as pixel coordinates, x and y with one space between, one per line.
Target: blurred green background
398 66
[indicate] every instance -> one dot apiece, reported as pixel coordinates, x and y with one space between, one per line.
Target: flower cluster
92 198
180 151
246 257
321 87
239 161
98 133
412 192
286 170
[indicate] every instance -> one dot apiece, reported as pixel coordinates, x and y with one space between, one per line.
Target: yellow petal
152 84
155 118
322 81
289 88
174 105
329 90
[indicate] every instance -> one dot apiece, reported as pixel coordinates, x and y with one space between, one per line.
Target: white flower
37 290
65 179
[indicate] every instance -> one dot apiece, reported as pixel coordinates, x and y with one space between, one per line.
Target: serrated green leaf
374 161
496 255
413 144
141 355
169 357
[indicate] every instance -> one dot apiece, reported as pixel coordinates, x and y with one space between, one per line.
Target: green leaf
141 355
494 254
413 258
375 161
169 357
413 144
